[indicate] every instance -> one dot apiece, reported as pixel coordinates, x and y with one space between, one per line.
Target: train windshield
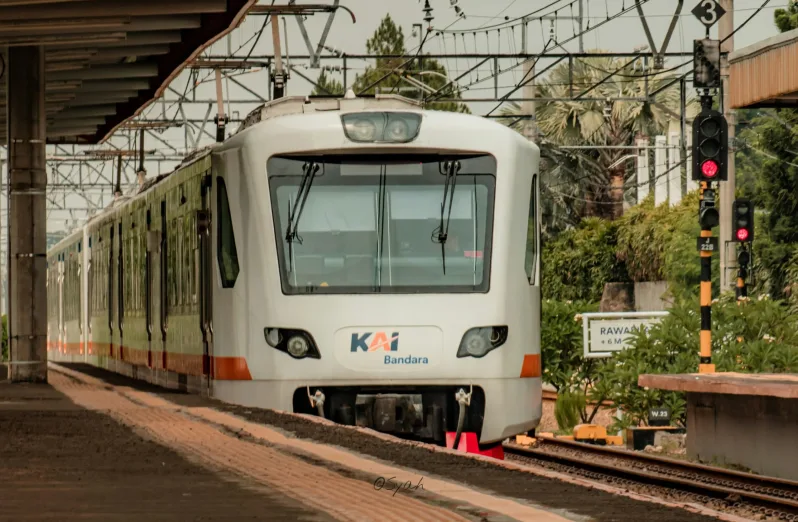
382 224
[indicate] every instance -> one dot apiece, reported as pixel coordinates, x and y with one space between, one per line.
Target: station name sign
610 332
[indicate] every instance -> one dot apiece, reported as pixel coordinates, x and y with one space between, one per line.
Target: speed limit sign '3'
708 12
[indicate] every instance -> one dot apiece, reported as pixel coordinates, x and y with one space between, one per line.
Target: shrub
659 244
562 343
578 263
568 410
564 365
757 336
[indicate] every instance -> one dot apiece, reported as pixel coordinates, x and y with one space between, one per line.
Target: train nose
388 348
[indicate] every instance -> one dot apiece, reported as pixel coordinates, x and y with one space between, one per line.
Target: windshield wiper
381 192
309 174
443 230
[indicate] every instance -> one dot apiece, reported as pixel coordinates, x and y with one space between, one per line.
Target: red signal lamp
709 169
742 234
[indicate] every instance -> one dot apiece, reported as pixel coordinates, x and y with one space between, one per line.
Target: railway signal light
710 146
708 216
706 58
742 221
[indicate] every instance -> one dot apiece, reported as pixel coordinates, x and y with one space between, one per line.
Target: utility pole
529 91
728 251
581 29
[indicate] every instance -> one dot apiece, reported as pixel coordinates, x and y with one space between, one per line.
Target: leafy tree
767 161
787 19
327 86
596 178
389 73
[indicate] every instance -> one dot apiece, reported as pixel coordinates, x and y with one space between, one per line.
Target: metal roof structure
765 74
105 60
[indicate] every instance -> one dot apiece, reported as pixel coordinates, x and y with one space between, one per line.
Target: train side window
532 233
227 254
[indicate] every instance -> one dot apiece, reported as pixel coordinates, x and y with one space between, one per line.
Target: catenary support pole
279 75
28 215
727 188
529 91
705 339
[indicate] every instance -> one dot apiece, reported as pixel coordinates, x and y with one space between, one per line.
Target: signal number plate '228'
386 348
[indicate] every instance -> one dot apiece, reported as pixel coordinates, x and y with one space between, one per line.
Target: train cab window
374 224
227 254
532 234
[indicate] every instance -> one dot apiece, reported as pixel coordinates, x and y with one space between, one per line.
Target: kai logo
375 341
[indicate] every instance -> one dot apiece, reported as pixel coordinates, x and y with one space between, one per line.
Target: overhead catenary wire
507 23
523 81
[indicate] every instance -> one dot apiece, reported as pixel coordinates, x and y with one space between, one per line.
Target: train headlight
397 130
381 127
297 346
478 342
362 130
296 343
273 337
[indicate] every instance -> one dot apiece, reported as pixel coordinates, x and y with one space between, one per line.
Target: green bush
564 365
562 342
647 244
568 410
578 262
659 244
756 336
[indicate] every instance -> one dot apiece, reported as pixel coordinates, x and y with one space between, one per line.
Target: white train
357 258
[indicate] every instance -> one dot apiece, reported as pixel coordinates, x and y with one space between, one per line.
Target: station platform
97 446
747 420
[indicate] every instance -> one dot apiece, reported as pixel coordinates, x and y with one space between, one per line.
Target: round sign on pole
708 12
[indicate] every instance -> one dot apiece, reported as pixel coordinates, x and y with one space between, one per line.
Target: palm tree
594 180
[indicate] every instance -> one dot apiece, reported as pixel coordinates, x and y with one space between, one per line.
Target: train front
390 277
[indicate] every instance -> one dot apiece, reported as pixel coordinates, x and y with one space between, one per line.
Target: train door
148 285
204 277
88 300
60 286
112 292
79 297
120 299
164 287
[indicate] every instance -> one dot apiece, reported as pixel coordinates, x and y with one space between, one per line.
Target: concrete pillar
660 170
643 172
675 171
28 215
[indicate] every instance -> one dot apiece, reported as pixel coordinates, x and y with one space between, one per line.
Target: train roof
286 106
290 105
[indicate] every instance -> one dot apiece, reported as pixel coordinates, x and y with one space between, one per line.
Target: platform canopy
765 74
105 60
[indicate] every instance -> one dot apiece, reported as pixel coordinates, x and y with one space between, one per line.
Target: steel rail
773 495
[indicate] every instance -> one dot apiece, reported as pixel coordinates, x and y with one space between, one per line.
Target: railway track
763 498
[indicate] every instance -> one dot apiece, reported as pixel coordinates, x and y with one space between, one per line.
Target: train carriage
361 259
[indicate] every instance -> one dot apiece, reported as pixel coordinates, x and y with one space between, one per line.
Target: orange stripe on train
222 368
531 366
